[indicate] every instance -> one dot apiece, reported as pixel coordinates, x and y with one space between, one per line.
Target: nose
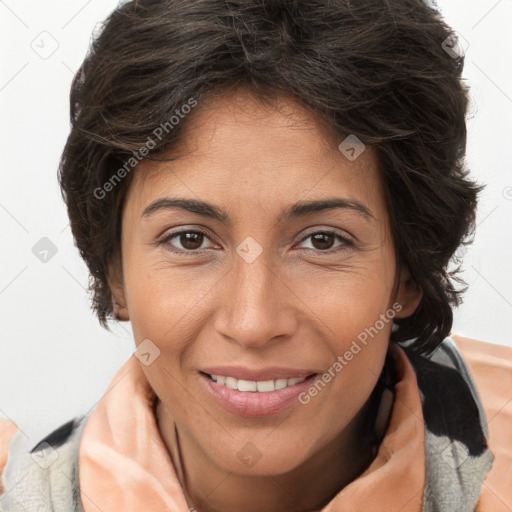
256 306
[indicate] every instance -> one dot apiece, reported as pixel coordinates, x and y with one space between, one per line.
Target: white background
55 359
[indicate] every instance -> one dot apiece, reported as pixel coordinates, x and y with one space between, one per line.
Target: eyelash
347 243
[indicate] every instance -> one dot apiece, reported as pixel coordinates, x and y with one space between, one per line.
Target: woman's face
282 283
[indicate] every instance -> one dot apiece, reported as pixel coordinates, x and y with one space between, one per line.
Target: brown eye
191 240
185 241
324 241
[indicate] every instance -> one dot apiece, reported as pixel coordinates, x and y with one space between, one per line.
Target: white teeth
262 386
231 382
265 385
246 385
281 383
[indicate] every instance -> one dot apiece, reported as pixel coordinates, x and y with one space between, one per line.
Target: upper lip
262 374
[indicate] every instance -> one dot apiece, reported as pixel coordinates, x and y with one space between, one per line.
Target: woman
271 193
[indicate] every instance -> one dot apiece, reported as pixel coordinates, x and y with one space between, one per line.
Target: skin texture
299 304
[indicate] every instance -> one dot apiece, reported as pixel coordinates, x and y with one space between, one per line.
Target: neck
307 488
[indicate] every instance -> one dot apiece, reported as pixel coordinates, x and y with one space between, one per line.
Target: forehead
235 146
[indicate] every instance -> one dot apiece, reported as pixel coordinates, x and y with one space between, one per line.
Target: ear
116 284
409 294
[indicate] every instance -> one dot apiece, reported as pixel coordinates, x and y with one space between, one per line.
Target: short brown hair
377 69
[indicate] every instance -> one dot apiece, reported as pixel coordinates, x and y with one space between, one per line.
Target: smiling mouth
253 386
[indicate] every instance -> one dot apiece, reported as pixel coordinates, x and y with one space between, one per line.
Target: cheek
356 316
350 300
163 299
353 384
358 347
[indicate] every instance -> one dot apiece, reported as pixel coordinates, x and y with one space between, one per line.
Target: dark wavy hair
379 69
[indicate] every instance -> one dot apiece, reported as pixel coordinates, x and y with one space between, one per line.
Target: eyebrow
298 209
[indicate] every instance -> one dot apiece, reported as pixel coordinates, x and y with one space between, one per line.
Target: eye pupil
321 237
189 240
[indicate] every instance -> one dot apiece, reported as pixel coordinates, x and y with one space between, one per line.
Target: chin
256 456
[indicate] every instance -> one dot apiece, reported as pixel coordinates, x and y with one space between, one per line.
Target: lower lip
254 403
